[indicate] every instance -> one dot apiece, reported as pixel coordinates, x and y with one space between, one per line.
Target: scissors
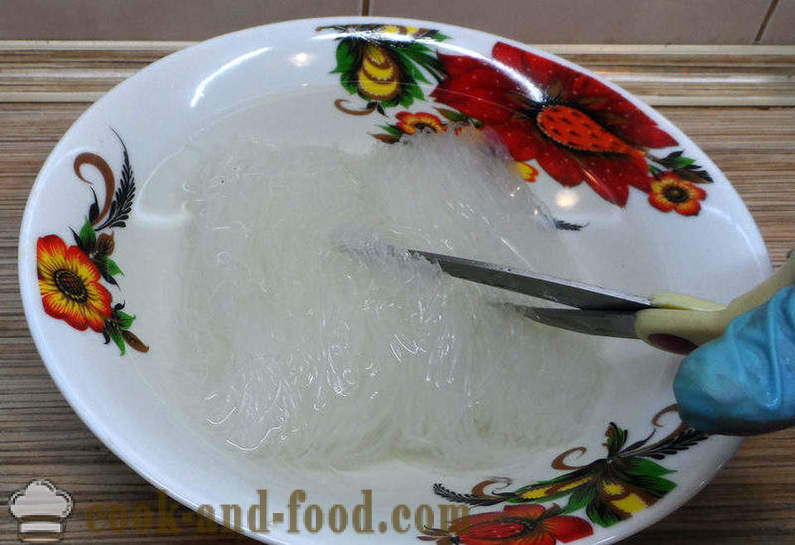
669 321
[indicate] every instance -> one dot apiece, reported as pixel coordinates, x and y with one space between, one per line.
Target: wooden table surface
736 102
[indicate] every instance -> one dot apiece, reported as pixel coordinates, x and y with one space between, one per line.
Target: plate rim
162 481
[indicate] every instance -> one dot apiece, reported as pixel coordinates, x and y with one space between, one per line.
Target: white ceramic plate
653 221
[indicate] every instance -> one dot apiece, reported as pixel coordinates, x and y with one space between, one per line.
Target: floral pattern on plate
569 124
608 490
70 277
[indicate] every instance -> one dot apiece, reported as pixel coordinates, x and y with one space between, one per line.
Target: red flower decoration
576 127
670 192
528 524
410 123
69 285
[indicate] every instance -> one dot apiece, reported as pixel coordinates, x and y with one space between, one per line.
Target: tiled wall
535 21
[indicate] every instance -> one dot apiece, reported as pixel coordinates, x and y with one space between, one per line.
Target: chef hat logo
41 510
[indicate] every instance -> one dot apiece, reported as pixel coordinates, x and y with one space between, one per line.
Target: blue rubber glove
744 382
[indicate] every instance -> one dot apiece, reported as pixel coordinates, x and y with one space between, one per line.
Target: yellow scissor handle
683 322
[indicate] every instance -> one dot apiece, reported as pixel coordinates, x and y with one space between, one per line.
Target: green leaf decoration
452 115
77 239
415 91
580 498
656 486
616 438
410 68
602 513
684 167
392 129
609 489
643 467
123 319
112 268
424 57
348 81
345 58
439 37
115 335
88 237
646 475
101 263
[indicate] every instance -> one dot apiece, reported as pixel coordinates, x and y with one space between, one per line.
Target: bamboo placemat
736 102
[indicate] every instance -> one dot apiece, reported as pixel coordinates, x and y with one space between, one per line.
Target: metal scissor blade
607 323
565 292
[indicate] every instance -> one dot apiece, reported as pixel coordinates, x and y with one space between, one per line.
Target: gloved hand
744 382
